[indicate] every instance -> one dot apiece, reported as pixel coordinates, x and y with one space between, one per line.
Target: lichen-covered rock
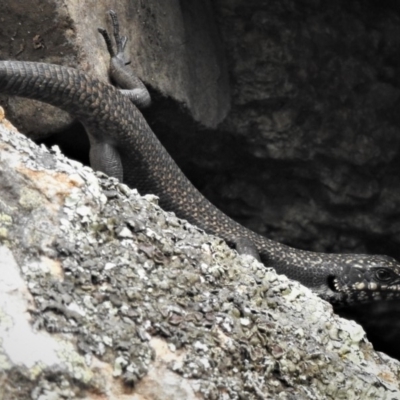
102 293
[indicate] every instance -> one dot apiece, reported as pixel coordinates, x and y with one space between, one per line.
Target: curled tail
67 88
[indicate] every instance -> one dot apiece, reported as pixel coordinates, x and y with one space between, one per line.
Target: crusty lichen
132 273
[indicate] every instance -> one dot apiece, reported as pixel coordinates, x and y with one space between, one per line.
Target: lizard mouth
361 291
337 293
334 285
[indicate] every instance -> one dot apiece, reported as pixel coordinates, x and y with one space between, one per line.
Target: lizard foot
120 71
244 245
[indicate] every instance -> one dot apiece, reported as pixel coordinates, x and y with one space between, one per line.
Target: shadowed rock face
307 154
313 131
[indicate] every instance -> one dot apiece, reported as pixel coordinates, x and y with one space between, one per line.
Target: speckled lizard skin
123 145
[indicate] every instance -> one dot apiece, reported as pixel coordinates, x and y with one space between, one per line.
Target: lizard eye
383 274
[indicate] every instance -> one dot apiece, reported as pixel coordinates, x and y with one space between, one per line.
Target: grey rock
164 312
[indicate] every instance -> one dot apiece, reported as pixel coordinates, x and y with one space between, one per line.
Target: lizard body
124 146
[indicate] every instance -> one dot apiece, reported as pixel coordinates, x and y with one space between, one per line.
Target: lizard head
365 278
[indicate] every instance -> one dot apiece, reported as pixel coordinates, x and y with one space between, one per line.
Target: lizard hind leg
105 157
120 71
244 245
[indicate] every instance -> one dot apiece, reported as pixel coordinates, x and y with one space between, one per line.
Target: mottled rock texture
104 295
306 95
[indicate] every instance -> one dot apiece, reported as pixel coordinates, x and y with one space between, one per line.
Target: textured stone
166 312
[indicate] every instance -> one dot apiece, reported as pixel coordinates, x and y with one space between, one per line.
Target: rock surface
308 153
103 294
